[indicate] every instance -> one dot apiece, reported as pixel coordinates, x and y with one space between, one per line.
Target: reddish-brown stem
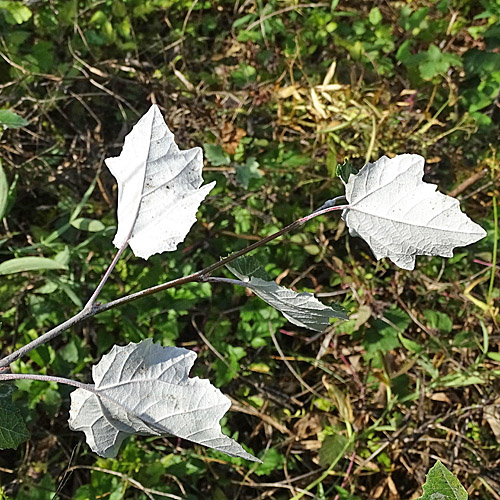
347 474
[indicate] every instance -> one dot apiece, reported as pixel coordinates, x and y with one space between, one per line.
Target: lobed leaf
400 216
144 389
302 309
158 187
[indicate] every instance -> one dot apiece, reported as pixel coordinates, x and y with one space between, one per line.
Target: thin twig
228 281
109 270
292 369
133 482
91 309
347 473
43 339
198 276
468 182
45 378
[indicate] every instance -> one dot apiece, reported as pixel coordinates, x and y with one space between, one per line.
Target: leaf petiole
43 378
90 303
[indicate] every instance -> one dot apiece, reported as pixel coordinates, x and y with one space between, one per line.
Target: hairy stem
43 378
43 339
91 308
116 258
199 275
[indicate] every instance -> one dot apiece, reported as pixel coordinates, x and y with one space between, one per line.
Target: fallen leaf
231 137
491 413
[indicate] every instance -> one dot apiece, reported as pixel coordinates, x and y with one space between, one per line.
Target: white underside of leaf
158 187
400 216
144 389
302 309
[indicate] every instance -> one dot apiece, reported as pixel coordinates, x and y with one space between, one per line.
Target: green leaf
4 192
9 119
438 320
441 484
459 379
375 16
312 249
436 62
63 257
66 288
410 345
481 63
383 335
13 430
228 369
251 267
70 352
11 195
91 225
245 74
344 170
244 20
245 173
331 448
15 12
49 287
23 264
216 155
272 460
495 356
404 53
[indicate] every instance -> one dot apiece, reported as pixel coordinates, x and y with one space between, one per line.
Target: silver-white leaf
400 216
158 187
144 389
302 309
